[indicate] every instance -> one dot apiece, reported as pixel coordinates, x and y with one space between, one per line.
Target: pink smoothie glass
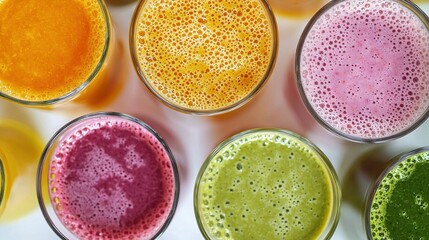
362 68
107 176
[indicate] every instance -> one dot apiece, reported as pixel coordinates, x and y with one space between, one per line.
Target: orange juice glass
55 51
203 57
20 150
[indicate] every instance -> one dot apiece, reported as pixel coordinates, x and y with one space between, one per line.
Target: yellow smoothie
49 49
21 148
205 55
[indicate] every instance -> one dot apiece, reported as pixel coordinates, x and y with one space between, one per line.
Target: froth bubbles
398 204
267 184
109 176
363 68
204 56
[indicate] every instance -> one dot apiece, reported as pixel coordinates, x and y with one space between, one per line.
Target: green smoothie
400 204
267 184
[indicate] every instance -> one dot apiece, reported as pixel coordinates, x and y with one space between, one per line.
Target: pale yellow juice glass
296 8
2 182
20 150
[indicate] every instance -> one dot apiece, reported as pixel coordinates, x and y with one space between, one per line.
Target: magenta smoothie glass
362 68
107 176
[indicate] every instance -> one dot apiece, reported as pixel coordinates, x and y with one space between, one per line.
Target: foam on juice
204 55
112 178
49 48
387 212
265 186
365 68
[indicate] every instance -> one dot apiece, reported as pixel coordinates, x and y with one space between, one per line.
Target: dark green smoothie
266 184
400 205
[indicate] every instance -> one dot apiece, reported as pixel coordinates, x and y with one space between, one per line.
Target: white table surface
192 138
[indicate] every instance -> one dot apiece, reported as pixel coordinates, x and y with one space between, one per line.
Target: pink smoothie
364 68
111 178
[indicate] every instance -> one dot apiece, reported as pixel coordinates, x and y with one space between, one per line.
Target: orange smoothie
204 56
50 49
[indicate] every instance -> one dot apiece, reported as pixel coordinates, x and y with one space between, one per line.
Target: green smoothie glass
397 206
267 184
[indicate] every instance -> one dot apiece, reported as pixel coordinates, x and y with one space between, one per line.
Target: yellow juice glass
296 8
204 57
55 51
20 150
2 182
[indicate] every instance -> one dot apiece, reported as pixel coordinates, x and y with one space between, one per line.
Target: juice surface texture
49 48
400 207
204 55
265 185
112 178
364 68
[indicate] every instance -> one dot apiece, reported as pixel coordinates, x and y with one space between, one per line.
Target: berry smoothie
112 177
267 184
399 207
364 68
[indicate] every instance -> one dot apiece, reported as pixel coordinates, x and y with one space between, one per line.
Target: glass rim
74 93
2 180
65 128
334 181
211 112
420 120
395 161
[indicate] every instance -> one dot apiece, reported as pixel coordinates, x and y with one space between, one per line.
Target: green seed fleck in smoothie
266 184
400 207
